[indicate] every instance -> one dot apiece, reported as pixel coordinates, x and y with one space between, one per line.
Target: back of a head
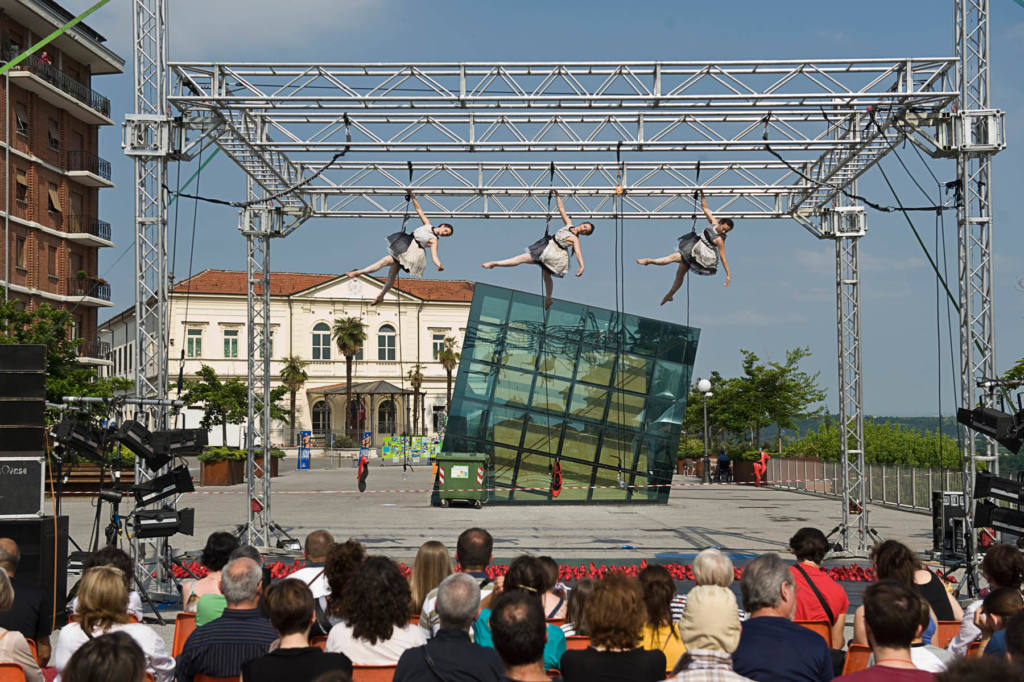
102 598
342 560
809 544
432 565
711 567
376 600
1015 638
981 669
10 555
659 589
113 657
218 549
474 548
892 612
762 582
526 572
711 619
615 612
112 556
458 601
1004 566
550 567
318 543
576 604
6 592
518 628
247 551
240 581
895 561
1004 602
289 604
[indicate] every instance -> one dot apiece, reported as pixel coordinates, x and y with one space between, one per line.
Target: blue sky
782 293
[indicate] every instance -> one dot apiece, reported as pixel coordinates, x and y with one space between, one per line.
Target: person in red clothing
761 467
892 611
829 603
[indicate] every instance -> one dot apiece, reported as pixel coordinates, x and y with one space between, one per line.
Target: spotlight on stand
988 515
1007 429
179 442
79 437
137 438
163 523
172 483
1004 489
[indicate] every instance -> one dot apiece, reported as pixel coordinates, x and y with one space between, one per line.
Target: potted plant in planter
276 455
221 466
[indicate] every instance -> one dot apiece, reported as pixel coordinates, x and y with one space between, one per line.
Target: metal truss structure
775 139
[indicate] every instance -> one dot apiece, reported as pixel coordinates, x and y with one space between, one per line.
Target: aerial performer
697 252
408 251
552 251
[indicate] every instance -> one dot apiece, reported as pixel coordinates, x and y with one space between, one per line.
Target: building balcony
60 89
87 226
91 288
88 169
94 352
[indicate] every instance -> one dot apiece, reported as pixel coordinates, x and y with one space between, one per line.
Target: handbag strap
817 593
431 664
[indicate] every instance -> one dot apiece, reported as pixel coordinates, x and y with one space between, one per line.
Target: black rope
188 289
408 198
551 185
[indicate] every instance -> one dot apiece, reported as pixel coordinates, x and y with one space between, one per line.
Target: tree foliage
227 402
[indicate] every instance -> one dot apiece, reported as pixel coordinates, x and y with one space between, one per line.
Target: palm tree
293 376
449 359
349 334
415 377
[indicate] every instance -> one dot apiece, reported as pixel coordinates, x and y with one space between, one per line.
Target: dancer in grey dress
551 252
408 251
699 252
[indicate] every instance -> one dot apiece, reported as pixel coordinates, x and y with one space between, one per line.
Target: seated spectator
1015 639
659 632
13 647
28 614
119 559
452 655
211 605
525 573
342 561
1003 566
113 657
473 556
555 593
220 647
376 629
520 635
927 656
892 612
290 605
818 597
314 574
102 599
710 567
615 615
333 676
999 607
711 632
574 607
982 669
216 554
772 646
432 565
724 471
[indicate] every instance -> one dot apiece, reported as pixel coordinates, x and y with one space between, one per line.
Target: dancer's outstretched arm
725 263
575 241
419 211
707 211
561 210
433 254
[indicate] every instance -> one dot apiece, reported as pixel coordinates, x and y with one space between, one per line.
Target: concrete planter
743 471
224 472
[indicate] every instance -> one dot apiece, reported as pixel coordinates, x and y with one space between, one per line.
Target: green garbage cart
462 476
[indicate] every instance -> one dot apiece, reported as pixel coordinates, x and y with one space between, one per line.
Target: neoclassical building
208 320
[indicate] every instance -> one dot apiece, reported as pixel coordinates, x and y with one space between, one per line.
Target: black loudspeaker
22 400
947 521
43 561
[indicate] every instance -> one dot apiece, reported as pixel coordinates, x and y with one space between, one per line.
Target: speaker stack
948 511
42 541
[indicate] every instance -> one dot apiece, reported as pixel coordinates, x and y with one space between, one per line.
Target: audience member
525 573
102 598
927 656
892 613
574 608
314 574
28 614
342 561
113 657
13 647
215 555
473 555
450 655
290 605
818 597
333 676
220 647
1003 566
982 669
554 591
375 603
615 614
772 646
520 635
211 605
1015 639
711 632
432 565
119 559
659 632
998 608
710 567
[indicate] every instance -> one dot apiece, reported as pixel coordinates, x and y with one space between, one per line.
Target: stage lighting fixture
110 495
1007 429
1005 489
163 523
172 483
136 438
988 515
79 437
178 442
289 544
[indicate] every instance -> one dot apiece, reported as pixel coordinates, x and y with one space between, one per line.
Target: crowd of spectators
347 610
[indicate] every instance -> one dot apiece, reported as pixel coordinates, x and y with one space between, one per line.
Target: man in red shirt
818 597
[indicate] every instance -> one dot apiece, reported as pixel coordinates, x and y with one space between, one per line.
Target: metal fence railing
41 67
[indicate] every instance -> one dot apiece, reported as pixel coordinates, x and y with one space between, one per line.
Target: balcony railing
94 348
62 81
90 286
89 162
83 224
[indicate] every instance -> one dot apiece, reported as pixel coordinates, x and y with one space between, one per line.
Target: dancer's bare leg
386 260
680 273
509 262
549 286
673 257
390 282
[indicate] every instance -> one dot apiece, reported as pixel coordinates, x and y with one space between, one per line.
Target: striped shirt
220 647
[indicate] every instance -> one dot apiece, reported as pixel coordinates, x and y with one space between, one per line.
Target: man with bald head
242 633
28 615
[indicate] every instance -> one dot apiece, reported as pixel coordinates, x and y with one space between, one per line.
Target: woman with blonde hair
432 565
13 646
102 608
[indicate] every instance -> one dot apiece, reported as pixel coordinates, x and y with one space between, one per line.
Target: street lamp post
704 386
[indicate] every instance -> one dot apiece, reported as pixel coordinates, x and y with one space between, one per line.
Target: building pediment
358 288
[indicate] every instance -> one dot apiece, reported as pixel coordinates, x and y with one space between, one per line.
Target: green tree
349 334
449 359
415 377
223 402
1015 372
293 376
789 392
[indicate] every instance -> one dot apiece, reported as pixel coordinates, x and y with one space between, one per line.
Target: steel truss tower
479 129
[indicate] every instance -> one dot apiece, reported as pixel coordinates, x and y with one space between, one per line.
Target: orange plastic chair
974 650
554 672
555 621
414 619
34 649
184 624
820 626
576 642
370 673
945 633
11 672
319 641
856 658
199 677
